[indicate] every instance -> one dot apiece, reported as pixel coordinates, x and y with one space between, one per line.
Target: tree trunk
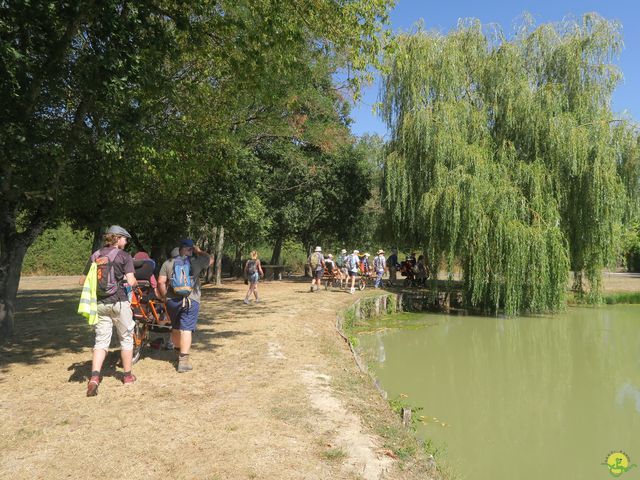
97 239
237 261
210 270
13 247
307 267
277 251
219 248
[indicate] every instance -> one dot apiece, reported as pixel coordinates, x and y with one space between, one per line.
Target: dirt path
274 394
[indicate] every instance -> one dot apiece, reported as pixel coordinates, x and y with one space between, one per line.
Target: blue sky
444 15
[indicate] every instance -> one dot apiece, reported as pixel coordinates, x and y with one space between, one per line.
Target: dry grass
244 412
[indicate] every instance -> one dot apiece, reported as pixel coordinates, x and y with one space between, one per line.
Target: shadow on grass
47 325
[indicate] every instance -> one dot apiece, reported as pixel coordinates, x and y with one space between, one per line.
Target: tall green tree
105 101
504 156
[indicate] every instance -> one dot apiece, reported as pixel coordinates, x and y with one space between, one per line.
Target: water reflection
546 397
382 356
630 392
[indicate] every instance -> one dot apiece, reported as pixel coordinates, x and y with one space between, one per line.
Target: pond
526 398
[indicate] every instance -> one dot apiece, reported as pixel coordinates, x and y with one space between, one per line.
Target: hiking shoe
92 386
184 365
129 379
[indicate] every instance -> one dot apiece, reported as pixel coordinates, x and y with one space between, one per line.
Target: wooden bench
273 272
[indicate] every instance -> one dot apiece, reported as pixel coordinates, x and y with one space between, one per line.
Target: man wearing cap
316 262
113 310
380 266
353 263
182 311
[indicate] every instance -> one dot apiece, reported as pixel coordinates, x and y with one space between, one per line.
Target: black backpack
251 267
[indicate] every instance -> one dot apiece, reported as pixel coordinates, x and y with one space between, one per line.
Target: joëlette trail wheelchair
149 313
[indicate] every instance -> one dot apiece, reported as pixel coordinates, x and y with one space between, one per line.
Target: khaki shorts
117 315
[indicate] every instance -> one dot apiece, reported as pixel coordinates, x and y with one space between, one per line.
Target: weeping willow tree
504 156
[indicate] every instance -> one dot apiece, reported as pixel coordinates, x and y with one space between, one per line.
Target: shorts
183 313
117 315
318 274
254 277
353 274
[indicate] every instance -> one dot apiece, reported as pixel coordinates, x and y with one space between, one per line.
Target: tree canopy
505 156
114 111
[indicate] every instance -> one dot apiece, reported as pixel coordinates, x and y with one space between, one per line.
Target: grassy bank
614 298
401 440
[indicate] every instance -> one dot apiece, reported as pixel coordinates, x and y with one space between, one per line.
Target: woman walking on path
253 272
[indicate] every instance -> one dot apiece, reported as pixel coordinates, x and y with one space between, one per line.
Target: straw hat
380 251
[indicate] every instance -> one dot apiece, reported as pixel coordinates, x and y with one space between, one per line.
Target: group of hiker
107 280
111 275
347 267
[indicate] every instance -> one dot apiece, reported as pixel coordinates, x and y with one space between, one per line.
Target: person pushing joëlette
179 284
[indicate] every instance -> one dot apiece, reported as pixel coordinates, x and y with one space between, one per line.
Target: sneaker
92 386
245 301
129 379
184 365
352 291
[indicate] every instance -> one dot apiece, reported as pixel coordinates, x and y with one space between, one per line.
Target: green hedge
58 251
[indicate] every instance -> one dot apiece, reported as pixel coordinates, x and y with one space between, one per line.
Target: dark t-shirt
122 265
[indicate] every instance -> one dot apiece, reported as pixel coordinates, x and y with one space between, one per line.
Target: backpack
352 262
251 267
107 283
182 281
314 260
340 262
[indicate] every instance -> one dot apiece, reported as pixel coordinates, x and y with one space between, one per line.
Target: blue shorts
353 274
183 317
254 277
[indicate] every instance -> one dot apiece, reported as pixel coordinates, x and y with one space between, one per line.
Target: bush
58 251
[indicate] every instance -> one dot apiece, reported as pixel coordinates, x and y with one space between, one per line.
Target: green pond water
518 398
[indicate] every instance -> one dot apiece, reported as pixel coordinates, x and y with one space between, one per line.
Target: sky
444 15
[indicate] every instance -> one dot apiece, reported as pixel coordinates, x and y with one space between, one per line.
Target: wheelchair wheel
362 283
140 334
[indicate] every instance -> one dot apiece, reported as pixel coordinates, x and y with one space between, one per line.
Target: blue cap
186 242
